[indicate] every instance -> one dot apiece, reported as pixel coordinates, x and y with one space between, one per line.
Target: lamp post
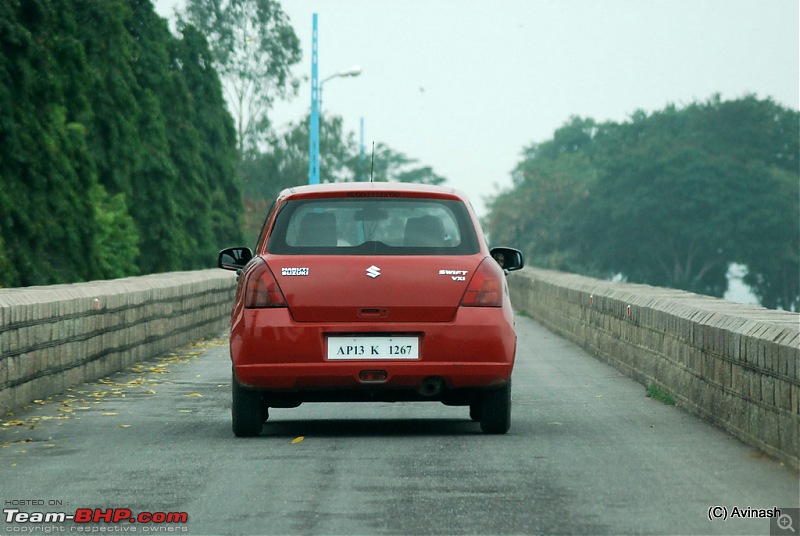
355 70
316 104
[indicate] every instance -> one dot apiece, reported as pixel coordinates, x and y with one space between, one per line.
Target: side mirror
234 258
509 259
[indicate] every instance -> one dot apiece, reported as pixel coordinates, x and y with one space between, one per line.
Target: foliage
118 155
253 47
285 164
45 164
117 239
671 199
540 214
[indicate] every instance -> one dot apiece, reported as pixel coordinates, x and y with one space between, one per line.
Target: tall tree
669 198
285 164
254 47
45 164
541 211
216 137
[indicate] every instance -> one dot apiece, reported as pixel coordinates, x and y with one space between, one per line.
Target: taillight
486 286
261 289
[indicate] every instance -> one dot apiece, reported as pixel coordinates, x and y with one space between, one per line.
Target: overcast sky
465 85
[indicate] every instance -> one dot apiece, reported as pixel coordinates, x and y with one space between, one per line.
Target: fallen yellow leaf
14 423
297 440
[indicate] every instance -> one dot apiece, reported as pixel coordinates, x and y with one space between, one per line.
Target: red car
371 292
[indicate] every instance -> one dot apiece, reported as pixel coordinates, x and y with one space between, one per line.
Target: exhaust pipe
431 386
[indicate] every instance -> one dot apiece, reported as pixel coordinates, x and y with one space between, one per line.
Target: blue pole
313 141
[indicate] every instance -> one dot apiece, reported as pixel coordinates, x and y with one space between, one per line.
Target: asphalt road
588 453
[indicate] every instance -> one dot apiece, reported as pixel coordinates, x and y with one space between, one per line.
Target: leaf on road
14 423
195 394
297 440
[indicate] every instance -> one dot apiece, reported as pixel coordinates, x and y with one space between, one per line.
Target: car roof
372 189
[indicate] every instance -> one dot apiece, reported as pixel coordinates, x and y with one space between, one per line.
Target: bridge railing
737 366
54 337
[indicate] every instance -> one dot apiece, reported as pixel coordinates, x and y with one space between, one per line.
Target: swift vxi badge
456 275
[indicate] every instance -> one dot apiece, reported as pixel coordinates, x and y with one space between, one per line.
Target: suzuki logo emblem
373 271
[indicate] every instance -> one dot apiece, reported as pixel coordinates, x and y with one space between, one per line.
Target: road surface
588 453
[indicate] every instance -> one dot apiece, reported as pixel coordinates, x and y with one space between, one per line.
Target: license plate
373 348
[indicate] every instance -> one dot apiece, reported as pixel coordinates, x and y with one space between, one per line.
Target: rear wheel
496 410
475 411
246 411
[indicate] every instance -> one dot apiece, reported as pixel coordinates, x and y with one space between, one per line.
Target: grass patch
653 391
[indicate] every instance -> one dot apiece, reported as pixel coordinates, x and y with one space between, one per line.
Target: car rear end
372 292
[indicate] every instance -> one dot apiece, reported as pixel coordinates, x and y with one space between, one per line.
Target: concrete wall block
783 395
738 384
770 431
789 431
755 386
723 374
768 390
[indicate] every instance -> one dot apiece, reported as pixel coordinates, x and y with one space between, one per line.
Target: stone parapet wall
737 366
54 337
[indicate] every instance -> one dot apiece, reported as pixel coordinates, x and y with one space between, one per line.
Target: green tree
45 165
285 164
117 239
770 237
662 215
118 155
219 158
670 198
113 134
254 47
540 213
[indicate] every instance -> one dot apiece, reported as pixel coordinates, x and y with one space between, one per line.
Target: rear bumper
272 352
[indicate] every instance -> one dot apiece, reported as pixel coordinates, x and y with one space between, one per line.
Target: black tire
246 411
496 410
475 411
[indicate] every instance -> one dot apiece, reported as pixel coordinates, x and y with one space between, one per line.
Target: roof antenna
372 168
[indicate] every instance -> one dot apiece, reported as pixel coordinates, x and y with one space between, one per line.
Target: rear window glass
397 226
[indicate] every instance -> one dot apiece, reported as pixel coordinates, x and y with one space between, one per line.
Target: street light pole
313 141
355 70
316 104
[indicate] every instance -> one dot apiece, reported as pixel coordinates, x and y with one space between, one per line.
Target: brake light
486 286
261 289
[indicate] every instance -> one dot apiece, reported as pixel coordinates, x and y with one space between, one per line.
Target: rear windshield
343 226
